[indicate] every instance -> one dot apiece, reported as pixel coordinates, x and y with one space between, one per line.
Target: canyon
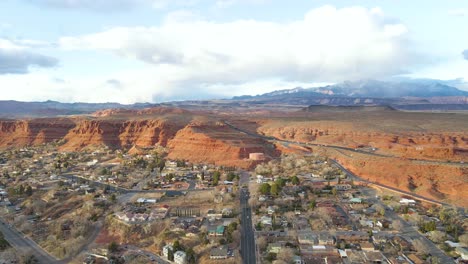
416 151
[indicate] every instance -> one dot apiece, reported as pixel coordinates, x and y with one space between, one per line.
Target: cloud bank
188 57
327 44
16 59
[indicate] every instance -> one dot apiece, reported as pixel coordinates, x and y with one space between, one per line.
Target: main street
248 248
25 245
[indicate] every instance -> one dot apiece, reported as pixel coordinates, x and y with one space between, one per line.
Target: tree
274 189
231 176
216 176
29 190
312 204
176 246
281 182
191 257
265 188
113 247
161 165
21 190
202 176
112 198
380 209
170 255
295 180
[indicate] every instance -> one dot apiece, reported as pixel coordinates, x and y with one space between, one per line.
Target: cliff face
216 143
200 140
408 144
120 133
33 132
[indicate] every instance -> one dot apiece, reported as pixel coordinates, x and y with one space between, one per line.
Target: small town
110 206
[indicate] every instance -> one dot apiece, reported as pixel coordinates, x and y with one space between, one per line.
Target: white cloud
17 59
111 5
189 57
327 45
458 12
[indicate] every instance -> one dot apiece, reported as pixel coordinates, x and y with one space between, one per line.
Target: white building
405 201
180 257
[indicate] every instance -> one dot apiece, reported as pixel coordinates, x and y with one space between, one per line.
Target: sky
131 51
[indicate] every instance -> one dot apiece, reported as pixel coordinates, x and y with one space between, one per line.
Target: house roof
219 251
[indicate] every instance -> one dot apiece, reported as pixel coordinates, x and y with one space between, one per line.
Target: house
144 200
266 220
325 239
367 246
374 257
353 237
216 231
227 212
409 202
274 248
343 187
355 200
463 251
219 252
307 238
166 250
271 210
180 257
211 214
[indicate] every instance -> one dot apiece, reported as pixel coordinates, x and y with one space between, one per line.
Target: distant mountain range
369 89
408 95
53 108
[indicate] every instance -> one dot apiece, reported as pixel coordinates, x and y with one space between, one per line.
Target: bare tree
262 243
397 225
286 255
463 239
437 236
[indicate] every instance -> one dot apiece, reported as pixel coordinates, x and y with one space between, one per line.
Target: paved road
248 248
23 244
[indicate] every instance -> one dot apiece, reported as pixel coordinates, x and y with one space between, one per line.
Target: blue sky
156 50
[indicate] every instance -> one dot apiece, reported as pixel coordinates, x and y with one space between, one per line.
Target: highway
268 138
248 248
25 245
